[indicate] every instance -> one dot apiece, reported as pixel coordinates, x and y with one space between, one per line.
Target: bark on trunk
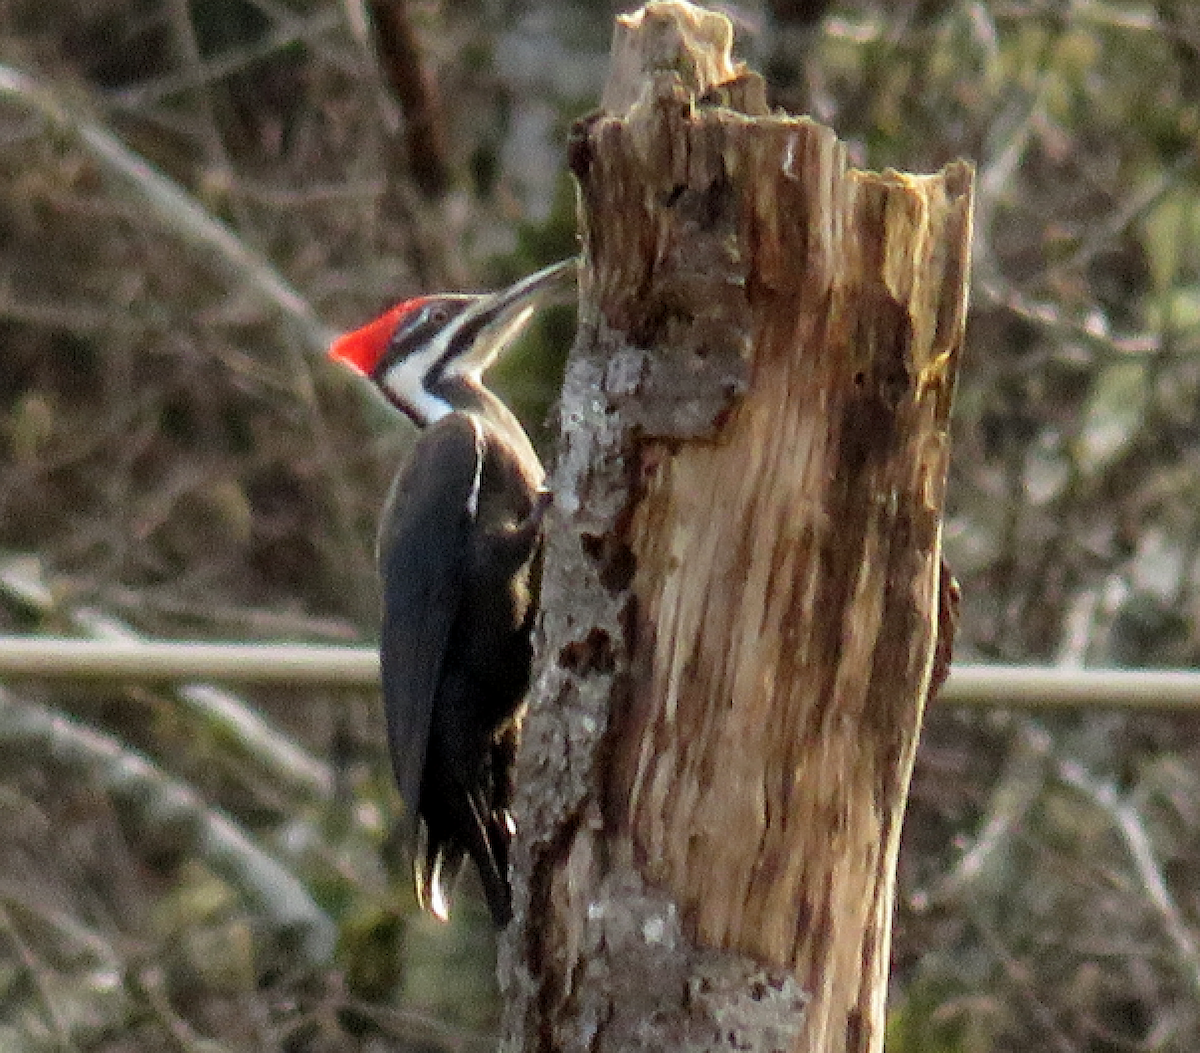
741 593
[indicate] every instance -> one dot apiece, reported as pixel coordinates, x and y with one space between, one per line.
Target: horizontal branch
1048 687
61 658
329 665
232 719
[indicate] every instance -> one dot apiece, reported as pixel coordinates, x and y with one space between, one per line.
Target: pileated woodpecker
458 538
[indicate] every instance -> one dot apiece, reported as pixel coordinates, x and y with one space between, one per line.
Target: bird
459 539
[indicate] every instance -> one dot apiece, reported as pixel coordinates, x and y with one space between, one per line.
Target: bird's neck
463 395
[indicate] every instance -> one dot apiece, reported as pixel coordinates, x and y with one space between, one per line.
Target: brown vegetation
172 457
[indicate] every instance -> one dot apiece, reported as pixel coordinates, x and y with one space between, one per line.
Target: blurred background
195 193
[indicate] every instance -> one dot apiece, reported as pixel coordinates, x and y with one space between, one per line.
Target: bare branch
1132 828
406 71
175 209
231 61
156 801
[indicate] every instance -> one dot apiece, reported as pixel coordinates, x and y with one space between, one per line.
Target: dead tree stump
741 594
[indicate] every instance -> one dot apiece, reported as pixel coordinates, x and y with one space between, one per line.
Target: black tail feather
438 866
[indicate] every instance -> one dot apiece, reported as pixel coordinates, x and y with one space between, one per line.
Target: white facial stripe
405 379
488 347
405 382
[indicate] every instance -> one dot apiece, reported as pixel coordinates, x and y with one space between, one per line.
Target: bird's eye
439 315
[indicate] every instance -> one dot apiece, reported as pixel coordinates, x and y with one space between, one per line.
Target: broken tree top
672 37
698 202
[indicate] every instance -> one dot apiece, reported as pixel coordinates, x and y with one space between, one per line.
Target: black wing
423 551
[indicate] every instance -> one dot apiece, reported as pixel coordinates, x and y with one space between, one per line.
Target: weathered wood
741 595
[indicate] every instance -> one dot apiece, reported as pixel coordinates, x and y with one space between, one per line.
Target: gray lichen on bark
599 939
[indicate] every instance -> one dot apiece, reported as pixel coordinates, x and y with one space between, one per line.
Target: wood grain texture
741 602
788 585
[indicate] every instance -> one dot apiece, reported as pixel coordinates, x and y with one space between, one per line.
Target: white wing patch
480 452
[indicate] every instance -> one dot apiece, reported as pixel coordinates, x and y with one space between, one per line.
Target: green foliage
937 1017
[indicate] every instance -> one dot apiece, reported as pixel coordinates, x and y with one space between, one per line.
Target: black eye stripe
464 339
415 335
405 341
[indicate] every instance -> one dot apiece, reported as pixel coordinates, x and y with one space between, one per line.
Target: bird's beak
495 319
